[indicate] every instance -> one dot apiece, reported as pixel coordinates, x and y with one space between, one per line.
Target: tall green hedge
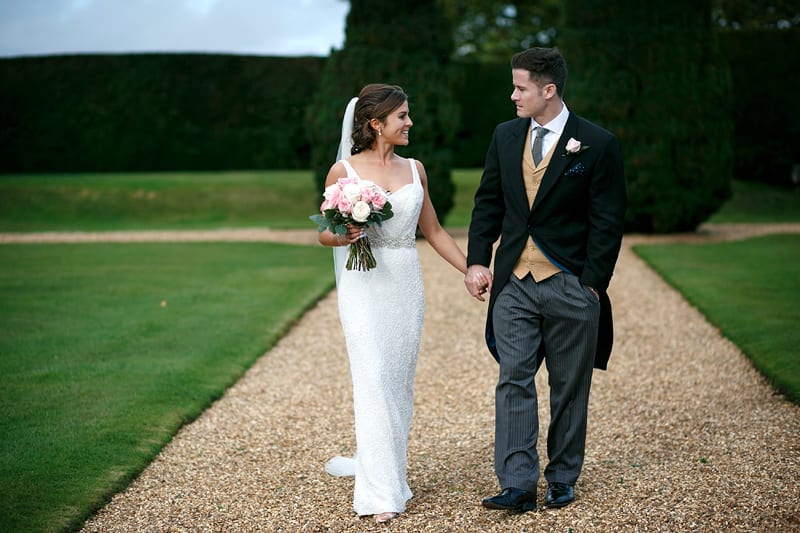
483 91
661 90
651 73
154 112
406 44
765 69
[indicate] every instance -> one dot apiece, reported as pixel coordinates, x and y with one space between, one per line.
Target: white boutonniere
574 147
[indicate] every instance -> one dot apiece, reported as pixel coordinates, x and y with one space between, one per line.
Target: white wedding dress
381 311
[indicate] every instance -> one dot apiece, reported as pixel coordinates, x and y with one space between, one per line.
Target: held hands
478 281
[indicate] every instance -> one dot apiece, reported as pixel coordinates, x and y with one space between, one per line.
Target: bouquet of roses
353 201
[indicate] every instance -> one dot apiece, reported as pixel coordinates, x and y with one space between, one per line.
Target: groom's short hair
545 65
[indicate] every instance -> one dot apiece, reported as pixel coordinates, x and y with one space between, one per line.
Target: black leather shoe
512 500
559 495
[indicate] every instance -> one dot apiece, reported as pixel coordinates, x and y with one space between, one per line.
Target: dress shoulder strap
351 172
414 171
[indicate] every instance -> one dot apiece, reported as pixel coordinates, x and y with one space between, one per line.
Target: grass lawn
466 182
754 202
176 200
277 199
750 290
107 349
168 200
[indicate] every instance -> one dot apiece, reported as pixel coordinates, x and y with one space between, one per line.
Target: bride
381 310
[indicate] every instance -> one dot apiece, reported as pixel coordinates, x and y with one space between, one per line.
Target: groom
553 191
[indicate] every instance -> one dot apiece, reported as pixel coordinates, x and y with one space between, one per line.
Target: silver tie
537 145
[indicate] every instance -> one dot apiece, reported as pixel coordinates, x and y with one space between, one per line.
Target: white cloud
79 4
199 7
265 27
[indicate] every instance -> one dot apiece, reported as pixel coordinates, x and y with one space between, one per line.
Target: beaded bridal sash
392 242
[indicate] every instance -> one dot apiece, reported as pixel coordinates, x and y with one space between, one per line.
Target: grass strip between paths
157 200
277 199
107 349
748 289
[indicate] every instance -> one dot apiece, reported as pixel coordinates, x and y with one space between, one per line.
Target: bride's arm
439 239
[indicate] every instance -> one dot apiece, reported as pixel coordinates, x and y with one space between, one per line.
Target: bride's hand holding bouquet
356 202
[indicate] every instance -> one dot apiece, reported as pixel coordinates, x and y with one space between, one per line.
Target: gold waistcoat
532 259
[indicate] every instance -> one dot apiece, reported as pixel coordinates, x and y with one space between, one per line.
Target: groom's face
527 96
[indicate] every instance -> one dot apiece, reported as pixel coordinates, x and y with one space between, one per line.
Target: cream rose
352 192
361 211
573 145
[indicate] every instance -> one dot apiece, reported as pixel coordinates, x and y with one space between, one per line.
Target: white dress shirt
555 127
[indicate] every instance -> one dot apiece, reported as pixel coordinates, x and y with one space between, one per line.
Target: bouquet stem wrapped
360 256
356 202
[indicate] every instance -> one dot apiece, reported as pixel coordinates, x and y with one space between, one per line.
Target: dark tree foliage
756 14
407 44
494 30
651 73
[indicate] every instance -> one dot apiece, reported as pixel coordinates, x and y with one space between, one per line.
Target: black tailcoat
577 218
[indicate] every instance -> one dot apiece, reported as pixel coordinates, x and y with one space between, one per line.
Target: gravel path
684 435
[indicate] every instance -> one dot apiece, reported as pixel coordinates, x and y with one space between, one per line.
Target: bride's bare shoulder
336 171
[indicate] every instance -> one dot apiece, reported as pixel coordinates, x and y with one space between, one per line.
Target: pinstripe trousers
556 318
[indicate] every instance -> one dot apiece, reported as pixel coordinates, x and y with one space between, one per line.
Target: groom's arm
608 202
488 210
485 225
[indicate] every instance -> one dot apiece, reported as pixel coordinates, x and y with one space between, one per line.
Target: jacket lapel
518 133
558 162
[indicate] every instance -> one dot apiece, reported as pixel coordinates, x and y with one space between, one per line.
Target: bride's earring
379 132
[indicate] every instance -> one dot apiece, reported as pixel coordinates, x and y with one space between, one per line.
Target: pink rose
345 205
332 195
573 146
379 201
368 195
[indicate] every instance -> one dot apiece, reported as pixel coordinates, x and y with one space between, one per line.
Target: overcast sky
262 27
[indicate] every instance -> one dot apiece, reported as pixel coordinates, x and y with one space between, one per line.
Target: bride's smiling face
395 127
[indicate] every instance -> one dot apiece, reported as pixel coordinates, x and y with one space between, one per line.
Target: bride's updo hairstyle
376 100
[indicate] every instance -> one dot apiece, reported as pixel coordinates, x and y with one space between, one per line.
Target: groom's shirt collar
557 124
555 127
